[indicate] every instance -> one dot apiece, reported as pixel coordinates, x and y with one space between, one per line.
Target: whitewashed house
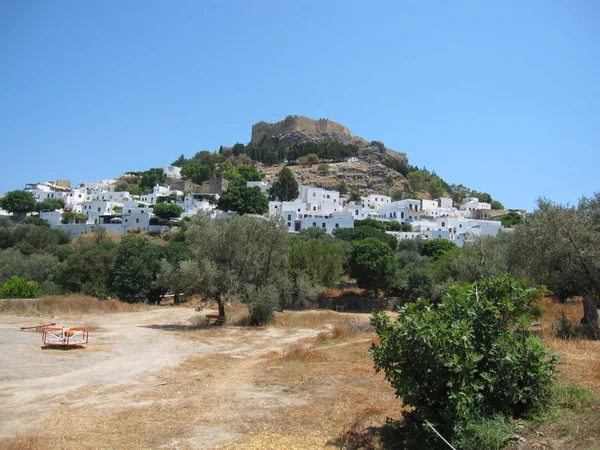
374 201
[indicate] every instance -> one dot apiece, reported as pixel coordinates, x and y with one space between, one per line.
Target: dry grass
315 318
356 434
299 353
580 358
66 305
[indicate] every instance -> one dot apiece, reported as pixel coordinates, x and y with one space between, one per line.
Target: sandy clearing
135 347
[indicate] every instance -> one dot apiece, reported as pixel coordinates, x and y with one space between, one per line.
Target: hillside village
104 203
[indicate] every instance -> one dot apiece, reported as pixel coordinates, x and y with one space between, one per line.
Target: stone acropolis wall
296 123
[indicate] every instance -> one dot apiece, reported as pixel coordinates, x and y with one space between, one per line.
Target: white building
374 201
301 221
473 204
172 172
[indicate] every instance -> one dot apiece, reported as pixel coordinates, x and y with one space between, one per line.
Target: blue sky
502 96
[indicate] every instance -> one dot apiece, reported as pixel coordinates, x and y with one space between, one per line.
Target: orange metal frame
64 337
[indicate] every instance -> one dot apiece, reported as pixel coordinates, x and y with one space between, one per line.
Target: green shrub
469 357
17 287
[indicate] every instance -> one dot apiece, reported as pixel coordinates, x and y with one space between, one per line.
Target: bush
262 303
469 358
18 287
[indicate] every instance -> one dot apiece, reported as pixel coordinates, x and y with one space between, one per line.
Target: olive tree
233 258
559 246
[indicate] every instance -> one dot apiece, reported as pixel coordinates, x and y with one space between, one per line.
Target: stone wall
296 123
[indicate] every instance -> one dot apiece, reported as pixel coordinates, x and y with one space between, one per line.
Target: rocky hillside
370 177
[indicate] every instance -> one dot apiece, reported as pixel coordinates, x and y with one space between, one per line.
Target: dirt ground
146 380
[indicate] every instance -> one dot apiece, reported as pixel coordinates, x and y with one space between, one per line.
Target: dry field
157 378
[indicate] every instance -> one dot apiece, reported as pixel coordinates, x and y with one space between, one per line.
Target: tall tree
231 258
373 265
179 162
18 202
559 246
244 200
285 187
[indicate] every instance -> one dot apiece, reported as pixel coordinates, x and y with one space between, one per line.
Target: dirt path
121 362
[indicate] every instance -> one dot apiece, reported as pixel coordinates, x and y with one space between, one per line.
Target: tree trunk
590 311
221 303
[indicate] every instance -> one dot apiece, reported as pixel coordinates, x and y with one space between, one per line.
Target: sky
501 96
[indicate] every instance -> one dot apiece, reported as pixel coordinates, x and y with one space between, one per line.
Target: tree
244 200
73 217
35 220
197 173
323 169
179 162
559 246
234 258
243 174
134 270
496 205
151 178
18 202
167 211
471 356
86 269
342 188
362 232
285 187
19 288
511 219
50 204
373 265
436 248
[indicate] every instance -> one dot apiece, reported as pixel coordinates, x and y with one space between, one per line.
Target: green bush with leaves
470 357
17 287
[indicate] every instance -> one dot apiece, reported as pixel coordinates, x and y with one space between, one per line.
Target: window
129 211
289 224
314 194
98 209
323 225
137 220
289 217
314 208
402 215
356 212
337 225
314 224
328 196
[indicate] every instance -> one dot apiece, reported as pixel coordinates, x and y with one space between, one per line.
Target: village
122 212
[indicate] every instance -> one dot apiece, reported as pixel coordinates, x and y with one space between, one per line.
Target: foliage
399 165
319 260
230 258
363 232
30 239
134 270
179 161
36 221
73 217
197 173
18 202
310 159
262 302
437 248
285 187
496 205
372 264
151 178
559 246
86 269
511 219
37 266
17 287
50 204
243 174
244 200
342 188
470 357
323 169
325 150
167 211
490 433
